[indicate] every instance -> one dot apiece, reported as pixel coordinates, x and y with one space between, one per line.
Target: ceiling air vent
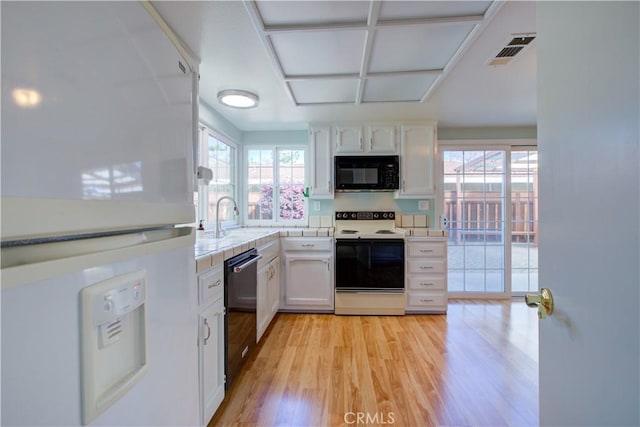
513 47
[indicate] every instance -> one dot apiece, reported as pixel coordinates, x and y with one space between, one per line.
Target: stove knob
392 215
338 215
354 215
376 215
385 215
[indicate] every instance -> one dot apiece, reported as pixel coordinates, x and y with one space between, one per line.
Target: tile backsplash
402 221
318 221
412 221
374 202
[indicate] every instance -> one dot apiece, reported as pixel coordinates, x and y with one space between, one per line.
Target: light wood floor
475 366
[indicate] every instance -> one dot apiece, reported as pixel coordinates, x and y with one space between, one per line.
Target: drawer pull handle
308 245
425 251
426 300
426 267
213 285
426 284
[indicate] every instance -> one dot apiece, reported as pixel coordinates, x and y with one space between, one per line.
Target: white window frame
276 205
202 212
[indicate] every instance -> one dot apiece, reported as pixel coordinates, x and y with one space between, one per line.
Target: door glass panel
474 200
524 221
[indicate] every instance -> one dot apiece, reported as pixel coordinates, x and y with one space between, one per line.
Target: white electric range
370 267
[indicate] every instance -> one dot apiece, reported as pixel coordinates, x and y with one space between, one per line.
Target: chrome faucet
219 230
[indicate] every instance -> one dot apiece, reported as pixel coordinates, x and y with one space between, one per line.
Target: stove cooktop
367 224
365 215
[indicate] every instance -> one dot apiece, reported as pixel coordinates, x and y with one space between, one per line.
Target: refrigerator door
97 120
45 340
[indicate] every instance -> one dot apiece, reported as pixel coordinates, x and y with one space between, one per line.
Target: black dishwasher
240 282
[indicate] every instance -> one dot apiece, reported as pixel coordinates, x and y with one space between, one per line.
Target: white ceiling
329 61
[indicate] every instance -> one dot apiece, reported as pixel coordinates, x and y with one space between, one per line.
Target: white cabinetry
348 139
268 291
381 139
211 341
417 161
426 273
308 274
377 139
321 163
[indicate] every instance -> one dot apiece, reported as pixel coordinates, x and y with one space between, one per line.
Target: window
218 155
275 184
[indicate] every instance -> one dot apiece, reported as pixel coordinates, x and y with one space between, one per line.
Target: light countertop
210 251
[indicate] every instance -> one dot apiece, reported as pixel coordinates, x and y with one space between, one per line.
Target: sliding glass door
474 200
524 221
492 250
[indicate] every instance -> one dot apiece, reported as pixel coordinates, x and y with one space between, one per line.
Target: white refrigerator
99 323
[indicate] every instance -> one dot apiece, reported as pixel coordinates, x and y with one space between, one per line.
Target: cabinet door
308 281
321 163
262 302
211 360
348 139
381 139
273 289
417 149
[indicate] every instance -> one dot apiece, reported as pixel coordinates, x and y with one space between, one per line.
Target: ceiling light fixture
238 98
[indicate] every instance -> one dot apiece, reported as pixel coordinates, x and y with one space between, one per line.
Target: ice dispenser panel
114 350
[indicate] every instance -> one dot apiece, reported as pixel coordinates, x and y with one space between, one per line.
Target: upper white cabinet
381 139
376 139
417 161
348 139
321 163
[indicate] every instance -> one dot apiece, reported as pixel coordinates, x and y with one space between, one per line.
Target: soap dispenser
200 230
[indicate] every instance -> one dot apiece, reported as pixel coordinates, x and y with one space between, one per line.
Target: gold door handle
544 302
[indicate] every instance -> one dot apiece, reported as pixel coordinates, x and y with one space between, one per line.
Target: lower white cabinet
426 275
267 295
211 342
308 274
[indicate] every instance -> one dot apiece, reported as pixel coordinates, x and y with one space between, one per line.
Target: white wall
213 120
294 137
494 133
588 143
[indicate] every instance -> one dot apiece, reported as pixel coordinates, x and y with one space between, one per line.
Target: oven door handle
241 267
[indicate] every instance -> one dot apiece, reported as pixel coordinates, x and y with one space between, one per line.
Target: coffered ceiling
364 51
318 60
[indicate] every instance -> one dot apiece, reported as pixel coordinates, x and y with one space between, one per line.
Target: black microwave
367 173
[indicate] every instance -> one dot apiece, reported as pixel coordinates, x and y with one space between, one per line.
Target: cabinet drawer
426 266
426 300
307 244
427 283
211 285
268 251
420 250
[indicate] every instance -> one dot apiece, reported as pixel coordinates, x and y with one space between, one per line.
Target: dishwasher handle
241 267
